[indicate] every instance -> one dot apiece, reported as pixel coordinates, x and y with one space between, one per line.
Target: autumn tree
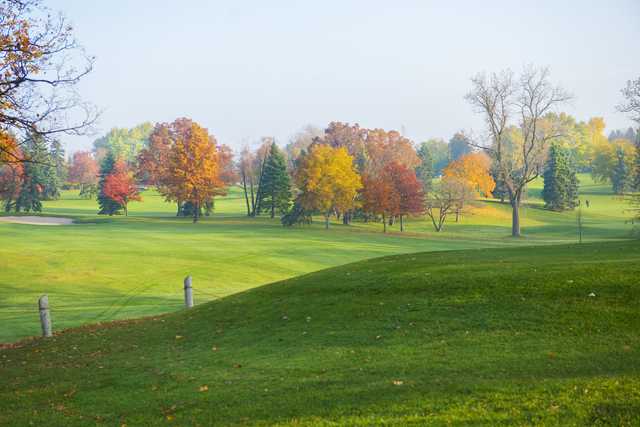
396 191
40 66
106 205
120 185
275 193
194 169
327 180
504 100
83 171
11 171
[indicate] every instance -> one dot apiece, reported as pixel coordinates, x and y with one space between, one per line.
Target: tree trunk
246 194
126 213
196 212
457 214
384 222
179 208
326 221
273 205
401 222
515 217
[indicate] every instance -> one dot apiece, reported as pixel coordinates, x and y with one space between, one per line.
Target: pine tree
425 171
55 171
621 174
560 182
108 206
34 176
275 194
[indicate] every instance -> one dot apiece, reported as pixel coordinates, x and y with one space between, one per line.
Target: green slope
499 336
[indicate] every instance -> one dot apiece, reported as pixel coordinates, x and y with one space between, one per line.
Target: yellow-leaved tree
473 168
328 180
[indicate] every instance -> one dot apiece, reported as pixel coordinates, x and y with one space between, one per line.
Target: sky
250 68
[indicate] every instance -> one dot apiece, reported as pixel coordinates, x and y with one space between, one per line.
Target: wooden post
45 316
188 292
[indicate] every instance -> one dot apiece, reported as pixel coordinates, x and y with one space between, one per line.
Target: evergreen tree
55 171
425 171
35 176
107 205
275 194
500 190
621 175
560 182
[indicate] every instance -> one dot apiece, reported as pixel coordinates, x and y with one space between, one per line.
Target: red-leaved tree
120 185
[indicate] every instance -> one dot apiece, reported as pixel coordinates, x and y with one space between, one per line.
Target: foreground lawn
545 336
115 268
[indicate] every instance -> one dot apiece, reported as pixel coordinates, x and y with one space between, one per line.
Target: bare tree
519 103
447 198
631 105
40 66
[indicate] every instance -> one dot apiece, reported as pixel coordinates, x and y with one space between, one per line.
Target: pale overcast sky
249 68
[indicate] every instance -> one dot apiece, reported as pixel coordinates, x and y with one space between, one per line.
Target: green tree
560 190
621 173
124 143
424 171
34 175
55 172
458 146
108 206
275 194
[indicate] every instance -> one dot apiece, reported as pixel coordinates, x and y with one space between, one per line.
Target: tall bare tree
509 102
40 66
631 104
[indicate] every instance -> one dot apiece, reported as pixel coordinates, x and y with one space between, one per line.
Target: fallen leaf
398 382
204 388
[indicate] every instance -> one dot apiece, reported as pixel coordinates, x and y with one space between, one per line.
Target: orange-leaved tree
327 180
185 164
120 185
194 168
475 169
395 191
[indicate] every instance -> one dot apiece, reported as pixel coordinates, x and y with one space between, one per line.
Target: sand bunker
36 220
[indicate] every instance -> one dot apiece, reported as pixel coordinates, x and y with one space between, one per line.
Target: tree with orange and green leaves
185 164
120 186
475 169
193 168
327 180
40 66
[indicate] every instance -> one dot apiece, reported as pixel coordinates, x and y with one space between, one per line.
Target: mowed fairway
114 268
516 336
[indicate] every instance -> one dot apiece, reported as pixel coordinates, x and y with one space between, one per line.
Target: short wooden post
188 292
45 316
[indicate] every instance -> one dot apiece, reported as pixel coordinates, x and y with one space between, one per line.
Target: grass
513 336
116 268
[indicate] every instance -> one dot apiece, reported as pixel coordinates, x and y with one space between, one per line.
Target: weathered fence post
188 292
45 317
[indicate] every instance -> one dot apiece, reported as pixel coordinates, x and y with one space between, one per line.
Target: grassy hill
547 335
117 268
